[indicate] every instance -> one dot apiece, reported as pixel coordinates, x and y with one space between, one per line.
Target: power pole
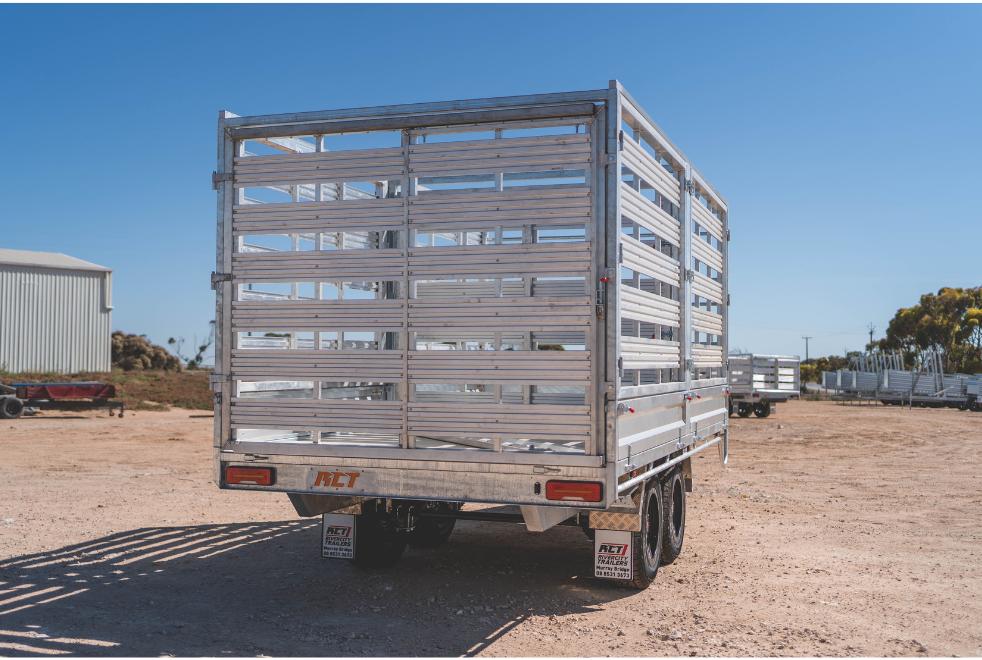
806 346
872 329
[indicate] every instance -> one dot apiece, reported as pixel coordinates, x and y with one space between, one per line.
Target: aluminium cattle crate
461 301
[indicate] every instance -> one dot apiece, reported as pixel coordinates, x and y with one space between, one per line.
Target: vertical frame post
685 222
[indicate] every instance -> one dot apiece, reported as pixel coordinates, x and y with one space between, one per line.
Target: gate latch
601 297
223 177
219 277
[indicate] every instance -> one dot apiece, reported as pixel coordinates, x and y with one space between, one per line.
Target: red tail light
248 475
576 491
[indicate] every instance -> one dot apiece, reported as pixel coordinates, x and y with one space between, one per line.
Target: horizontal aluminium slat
273 315
560 259
500 367
502 314
329 365
707 220
641 353
504 155
706 253
644 259
707 322
314 217
319 266
324 167
503 208
643 306
643 164
707 288
643 211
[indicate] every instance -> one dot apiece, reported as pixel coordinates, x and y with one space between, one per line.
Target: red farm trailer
17 398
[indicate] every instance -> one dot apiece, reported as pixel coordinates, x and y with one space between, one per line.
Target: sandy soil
835 530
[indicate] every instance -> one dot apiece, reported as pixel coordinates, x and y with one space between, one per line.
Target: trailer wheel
975 406
647 542
11 407
744 409
673 522
432 531
379 543
762 409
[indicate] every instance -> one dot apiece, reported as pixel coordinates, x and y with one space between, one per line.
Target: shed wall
54 319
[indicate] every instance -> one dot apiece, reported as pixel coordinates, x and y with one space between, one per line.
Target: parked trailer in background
518 301
759 382
884 379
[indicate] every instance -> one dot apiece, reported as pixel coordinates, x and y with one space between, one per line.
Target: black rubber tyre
673 520
11 407
975 406
430 532
762 409
647 542
744 409
379 544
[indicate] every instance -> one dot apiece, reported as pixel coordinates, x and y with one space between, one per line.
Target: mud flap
338 536
613 555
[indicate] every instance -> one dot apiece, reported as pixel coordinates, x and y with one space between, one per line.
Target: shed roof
46 260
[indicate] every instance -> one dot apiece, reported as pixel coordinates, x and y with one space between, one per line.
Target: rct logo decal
618 549
337 479
338 531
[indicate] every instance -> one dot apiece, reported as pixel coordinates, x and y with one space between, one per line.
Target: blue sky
845 138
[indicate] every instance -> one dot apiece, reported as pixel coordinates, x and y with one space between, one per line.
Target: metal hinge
223 177
689 364
690 275
218 399
727 234
620 141
620 365
690 187
620 253
219 277
727 300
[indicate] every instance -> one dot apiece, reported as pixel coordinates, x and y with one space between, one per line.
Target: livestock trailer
759 382
517 301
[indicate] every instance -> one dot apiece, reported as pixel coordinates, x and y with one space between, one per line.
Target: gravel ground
834 531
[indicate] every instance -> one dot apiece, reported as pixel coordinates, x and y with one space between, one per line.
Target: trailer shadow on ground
250 589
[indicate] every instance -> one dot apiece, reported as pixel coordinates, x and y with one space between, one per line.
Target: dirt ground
834 531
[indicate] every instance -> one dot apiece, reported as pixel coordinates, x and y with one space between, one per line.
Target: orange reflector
579 491
249 475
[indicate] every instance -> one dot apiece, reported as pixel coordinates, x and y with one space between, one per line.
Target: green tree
947 322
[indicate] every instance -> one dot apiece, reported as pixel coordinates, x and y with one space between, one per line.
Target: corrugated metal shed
55 313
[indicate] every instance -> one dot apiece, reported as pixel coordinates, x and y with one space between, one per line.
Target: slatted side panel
559 423
429 302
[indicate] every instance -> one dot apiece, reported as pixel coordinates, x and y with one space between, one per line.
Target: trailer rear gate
395 311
